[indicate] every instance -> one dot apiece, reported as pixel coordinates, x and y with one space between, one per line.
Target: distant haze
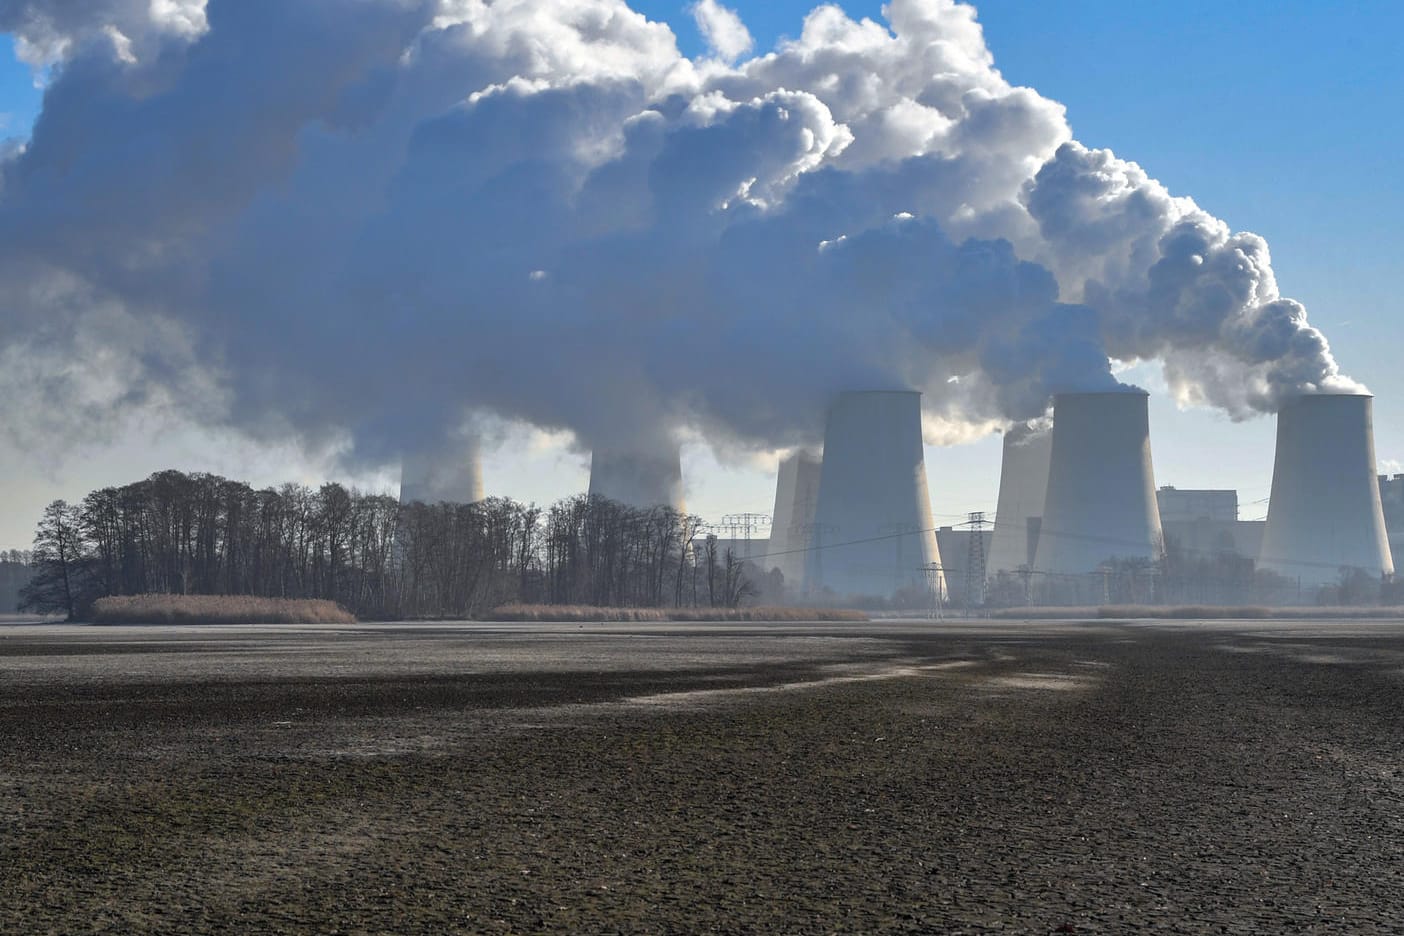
378 219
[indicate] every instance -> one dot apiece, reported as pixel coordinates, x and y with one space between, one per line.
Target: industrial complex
1080 519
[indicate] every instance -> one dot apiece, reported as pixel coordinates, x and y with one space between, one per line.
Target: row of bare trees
177 533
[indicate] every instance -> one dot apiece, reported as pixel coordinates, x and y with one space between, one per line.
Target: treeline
15 573
201 534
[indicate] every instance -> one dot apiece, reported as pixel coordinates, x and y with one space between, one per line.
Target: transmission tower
975 561
744 523
935 579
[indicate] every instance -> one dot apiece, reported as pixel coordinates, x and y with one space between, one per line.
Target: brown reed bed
217 609
586 613
1198 612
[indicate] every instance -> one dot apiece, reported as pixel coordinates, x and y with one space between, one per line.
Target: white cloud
722 29
48 32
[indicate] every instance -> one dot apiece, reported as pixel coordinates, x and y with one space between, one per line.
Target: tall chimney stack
872 529
1023 483
432 478
1324 514
796 498
1100 503
638 478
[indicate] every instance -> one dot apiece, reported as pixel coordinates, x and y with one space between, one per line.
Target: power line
975 561
816 545
745 523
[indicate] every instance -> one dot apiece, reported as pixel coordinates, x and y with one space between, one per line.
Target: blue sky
1283 118
19 98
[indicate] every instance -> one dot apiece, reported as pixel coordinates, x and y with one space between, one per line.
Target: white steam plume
370 216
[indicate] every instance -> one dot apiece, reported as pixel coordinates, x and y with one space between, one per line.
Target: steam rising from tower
437 203
1100 503
1324 514
872 528
432 478
637 478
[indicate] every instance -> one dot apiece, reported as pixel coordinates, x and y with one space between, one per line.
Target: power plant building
1204 524
1100 503
1186 506
872 534
741 549
1325 515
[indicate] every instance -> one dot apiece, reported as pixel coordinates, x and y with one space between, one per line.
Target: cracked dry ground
1081 778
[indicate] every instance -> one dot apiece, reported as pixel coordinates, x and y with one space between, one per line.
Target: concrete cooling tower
642 479
1023 482
872 526
796 497
1324 514
456 477
1100 502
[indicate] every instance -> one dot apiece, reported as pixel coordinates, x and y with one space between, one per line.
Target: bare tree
62 581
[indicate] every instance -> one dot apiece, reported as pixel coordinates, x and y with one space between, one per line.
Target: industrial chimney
1324 514
1023 482
642 479
1100 502
796 497
872 530
455 477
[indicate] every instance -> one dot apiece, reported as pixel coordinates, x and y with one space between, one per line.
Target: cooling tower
872 529
1100 502
1324 514
1023 482
435 477
642 479
796 497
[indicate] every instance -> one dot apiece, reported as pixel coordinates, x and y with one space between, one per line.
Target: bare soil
890 777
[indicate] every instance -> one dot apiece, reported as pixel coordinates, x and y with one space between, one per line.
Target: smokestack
1100 502
1023 482
872 526
435 477
1324 514
638 479
796 497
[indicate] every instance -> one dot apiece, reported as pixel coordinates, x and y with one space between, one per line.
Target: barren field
1239 777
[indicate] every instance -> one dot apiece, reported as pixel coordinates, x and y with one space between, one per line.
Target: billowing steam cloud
371 216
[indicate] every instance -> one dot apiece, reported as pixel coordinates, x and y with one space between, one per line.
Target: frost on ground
897 777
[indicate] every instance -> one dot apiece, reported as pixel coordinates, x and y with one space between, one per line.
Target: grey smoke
375 217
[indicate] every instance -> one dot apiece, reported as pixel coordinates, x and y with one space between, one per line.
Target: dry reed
584 613
1198 612
217 609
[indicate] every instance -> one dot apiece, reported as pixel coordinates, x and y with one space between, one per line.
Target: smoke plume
373 217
